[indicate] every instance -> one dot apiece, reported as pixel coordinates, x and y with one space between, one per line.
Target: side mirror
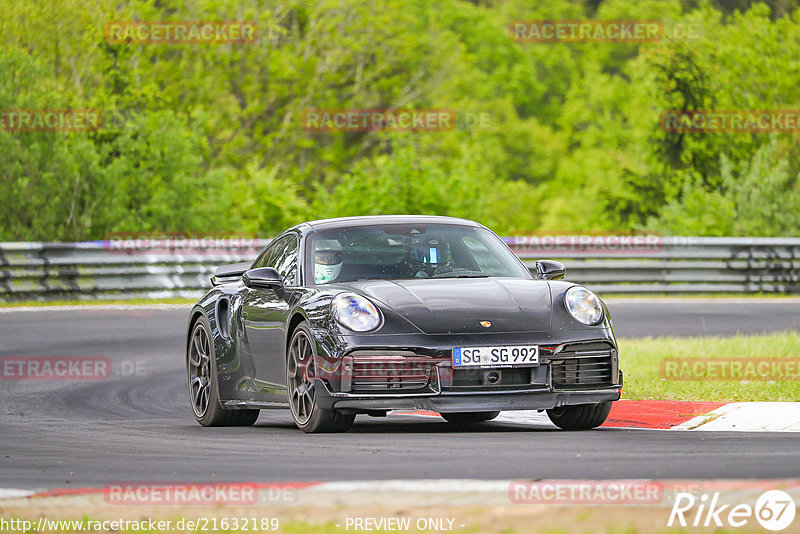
550 270
262 277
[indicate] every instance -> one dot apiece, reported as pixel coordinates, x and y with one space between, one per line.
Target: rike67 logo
774 510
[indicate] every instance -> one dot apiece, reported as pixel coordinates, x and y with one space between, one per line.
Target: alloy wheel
300 370
200 370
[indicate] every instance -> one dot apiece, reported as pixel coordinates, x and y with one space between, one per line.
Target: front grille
378 373
584 372
509 376
583 366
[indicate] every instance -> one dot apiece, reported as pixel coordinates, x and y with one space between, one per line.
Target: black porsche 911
364 315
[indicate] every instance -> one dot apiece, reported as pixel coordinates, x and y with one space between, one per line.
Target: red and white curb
748 417
676 415
440 493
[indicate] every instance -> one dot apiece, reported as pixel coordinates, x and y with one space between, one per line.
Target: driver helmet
327 260
429 253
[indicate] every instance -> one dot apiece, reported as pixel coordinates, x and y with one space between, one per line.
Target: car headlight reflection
355 312
584 305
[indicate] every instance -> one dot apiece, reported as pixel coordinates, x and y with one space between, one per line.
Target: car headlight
355 312
584 305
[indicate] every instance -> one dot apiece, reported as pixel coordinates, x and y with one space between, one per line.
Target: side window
487 262
283 257
261 261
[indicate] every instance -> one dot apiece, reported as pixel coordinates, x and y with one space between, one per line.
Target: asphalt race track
137 425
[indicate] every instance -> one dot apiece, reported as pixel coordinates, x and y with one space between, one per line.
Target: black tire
201 369
300 387
580 416
469 417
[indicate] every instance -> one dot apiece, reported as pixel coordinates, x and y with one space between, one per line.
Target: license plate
507 356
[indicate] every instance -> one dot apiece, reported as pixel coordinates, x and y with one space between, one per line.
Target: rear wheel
203 387
469 417
301 387
580 416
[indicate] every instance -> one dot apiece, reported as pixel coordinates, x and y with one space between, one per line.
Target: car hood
460 305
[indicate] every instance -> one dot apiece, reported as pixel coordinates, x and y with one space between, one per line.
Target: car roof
368 220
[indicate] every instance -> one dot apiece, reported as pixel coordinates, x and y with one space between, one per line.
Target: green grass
640 360
76 302
721 296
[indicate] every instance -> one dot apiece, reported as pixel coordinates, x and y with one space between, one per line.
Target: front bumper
539 398
377 376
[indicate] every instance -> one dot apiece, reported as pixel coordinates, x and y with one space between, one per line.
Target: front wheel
469 417
580 416
301 387
203 387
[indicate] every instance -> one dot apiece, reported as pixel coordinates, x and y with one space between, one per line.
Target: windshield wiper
462 275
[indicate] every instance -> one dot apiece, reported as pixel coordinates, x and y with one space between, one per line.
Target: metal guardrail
104 270
618 264
653 264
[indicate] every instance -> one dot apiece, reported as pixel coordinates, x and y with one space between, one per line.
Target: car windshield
394 252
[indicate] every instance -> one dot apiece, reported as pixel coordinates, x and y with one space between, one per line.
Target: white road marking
748 417
10 493
529 417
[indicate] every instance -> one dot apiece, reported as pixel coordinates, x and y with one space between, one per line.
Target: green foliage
201 137
760 197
